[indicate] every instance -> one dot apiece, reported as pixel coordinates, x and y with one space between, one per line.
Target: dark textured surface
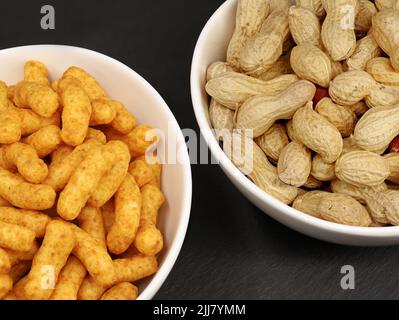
232 250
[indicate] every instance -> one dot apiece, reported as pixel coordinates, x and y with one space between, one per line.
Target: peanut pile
316 84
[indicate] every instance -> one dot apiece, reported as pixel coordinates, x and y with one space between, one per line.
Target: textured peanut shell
313 183
304 26
316 6
391 198
343 118
359 108
382 96
366 49
322 170
309 203
311 63
280 5
385 32
250 159
351 87
232 89
281 67
362 168
364 17
350 145
393 162
261 112
339 11
273 141
263 49
222 118
249 18
317 133
385 4
216 69
377 128
294 164
370 196
382 71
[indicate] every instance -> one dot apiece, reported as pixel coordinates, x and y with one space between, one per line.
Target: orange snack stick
5 264
46 140
69 281
91 221
103 112
89 84
124 122
94 257
15 237
76 112
60 172
112 179
96 135
40 98
61 153
149 240
49 260
28 163
17 257
122 291
25 195
141 172
5 285
108 213
35 71
83 182
127 216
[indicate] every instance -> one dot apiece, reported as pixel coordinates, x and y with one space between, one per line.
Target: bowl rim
174 250
226 164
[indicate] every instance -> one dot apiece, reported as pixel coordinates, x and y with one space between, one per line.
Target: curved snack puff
18 292
25 158
91 221
96 135
90 290
89 84
112 180
94 257
153 162
108 213
149 240
124 291
32 220
25 195
135 268
127 216
46 140
15 237
60 154
5 264
75 114
126 270
139 141
84 182
17 257
32 122
141 172
49 260
124 122
5 285
103 112
10 127
40 98
35 71
69 280
60 172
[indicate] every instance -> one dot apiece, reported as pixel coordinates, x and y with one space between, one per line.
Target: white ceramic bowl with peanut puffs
91 206
314 157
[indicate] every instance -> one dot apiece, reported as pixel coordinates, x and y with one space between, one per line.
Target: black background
232 250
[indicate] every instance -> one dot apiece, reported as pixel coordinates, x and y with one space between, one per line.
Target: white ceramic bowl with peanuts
211 47
143 101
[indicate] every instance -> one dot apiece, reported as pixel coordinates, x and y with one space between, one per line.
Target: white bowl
146 104
211 47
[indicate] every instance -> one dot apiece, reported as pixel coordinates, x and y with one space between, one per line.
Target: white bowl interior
146 104
211 47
